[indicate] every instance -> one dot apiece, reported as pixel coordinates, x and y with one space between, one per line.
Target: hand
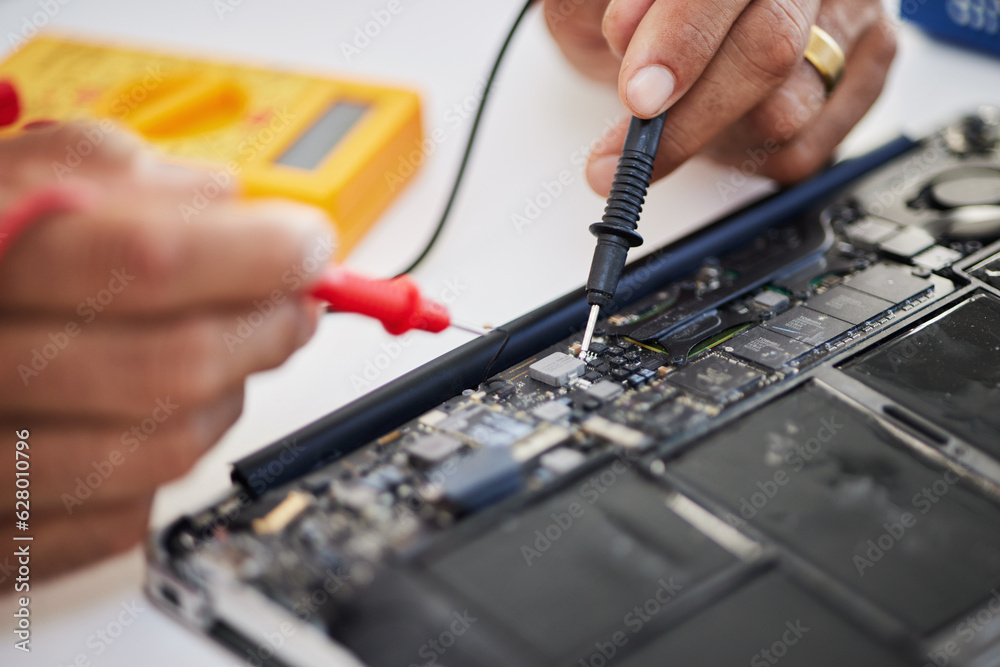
127 330
733 74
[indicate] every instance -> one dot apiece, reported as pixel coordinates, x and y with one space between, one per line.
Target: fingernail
649 89
601 172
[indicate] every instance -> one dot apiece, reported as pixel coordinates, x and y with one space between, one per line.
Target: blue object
974 23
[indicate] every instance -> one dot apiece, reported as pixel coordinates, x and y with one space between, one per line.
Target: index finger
133 253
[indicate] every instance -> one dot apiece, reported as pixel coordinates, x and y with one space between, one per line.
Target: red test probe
396 303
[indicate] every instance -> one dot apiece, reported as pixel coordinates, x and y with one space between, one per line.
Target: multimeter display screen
317 142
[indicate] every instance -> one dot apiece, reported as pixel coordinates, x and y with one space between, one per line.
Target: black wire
496 355
468 146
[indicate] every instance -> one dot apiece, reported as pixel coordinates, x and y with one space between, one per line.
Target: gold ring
826 56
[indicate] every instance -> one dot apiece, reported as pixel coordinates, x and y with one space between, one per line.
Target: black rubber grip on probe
616 232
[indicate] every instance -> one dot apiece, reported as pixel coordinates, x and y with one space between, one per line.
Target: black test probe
616 232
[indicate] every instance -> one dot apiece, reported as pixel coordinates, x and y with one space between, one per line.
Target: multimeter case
343 145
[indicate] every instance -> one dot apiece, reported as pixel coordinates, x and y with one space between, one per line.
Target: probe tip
588 333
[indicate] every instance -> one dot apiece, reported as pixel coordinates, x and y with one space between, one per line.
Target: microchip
384 478
767 348
562 460
540 442
501 388
598 348
557 369
283 514
485 427
552 411
482 478
600 366
807 325
428 450
771 300
907 243
937 257
619 434
635 380
869 231
849 304
892 283
605 390
715 377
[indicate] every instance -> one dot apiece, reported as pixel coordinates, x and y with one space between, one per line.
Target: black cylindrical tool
616 232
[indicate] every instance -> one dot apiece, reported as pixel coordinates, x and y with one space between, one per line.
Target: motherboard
792 451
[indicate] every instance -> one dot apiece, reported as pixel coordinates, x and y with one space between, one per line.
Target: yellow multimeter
342 145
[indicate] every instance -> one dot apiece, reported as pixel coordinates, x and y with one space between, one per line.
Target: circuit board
742 448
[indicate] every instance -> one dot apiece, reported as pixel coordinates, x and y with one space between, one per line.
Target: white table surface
540 118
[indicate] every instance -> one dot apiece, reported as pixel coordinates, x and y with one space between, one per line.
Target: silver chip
557 369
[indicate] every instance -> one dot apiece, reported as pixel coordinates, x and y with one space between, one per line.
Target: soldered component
482 478
557 369
869 231
552 410
807 325
767 348
937 257
906 243
715 377
430 450
892 283
605 390
771 300
849 304
540 442
477 424
283 514
617 433
562 460
432 417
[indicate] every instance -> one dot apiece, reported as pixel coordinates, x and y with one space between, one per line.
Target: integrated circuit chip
869 231
849 304
937 257
907 243
557 369
767 348
552 411
605 390
808 326
892 283
562 460
771 300
715 377
482 478
485 427
432 449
